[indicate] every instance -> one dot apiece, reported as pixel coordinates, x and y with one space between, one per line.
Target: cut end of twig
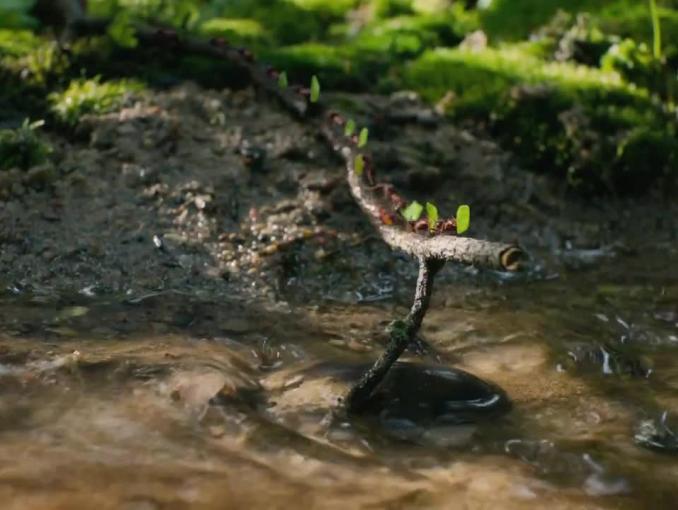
512 258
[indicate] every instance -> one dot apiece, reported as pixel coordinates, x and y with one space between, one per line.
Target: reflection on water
168 401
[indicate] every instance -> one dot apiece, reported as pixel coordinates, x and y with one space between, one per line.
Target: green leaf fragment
432 216
282 80
349 129
463 218
362 138
315 89
413 211
359 164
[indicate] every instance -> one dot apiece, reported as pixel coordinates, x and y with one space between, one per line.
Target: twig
265 78
466 250
401 335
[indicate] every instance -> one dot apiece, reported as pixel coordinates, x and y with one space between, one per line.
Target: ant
448 226
387 217
272 72
397 202
336 118
168 37
219 42
246 54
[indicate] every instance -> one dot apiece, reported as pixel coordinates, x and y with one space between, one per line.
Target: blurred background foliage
573 88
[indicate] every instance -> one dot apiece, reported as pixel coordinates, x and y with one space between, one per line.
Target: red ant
419 226
442 226
246 54
369 169
302 91
447 226
397 202
219 42
387 217
337 119
272 72
168 36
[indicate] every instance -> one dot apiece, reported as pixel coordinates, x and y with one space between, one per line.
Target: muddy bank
220 191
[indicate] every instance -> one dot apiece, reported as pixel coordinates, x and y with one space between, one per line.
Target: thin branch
464 250
402 333
265 78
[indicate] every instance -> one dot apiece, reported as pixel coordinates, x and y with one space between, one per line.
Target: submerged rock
436 394
434 404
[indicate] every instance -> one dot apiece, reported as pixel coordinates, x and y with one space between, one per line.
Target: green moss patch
90 97
23 147
577 122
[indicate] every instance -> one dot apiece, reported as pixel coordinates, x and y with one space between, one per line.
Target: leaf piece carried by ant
432 216
463 218
315 89
413 211
358 164
349 129
362 138
282 80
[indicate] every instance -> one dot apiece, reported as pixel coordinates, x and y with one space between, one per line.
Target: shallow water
173 401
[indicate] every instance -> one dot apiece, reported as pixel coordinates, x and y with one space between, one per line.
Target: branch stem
401 335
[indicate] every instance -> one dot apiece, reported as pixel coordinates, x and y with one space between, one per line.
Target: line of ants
396 203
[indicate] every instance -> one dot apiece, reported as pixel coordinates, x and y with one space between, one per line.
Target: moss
335 66
631 19
23 147
33 58
18 43
409 34
558 118
480 79
17 15
240 31
90 96
644 155
512 20
288 22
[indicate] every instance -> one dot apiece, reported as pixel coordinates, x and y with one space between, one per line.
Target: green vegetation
583 90
359 164
315 89
362 137
463 218
563 118
431 216
90 96
413 211
23 147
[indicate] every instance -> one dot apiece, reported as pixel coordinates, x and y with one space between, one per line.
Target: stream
169 400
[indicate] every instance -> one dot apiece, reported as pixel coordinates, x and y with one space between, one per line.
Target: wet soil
185 303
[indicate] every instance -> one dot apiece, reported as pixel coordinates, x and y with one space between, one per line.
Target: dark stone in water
433 395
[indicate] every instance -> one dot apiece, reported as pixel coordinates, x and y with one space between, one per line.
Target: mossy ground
582 99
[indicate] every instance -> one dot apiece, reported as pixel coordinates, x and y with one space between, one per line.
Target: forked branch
432 246
401 334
